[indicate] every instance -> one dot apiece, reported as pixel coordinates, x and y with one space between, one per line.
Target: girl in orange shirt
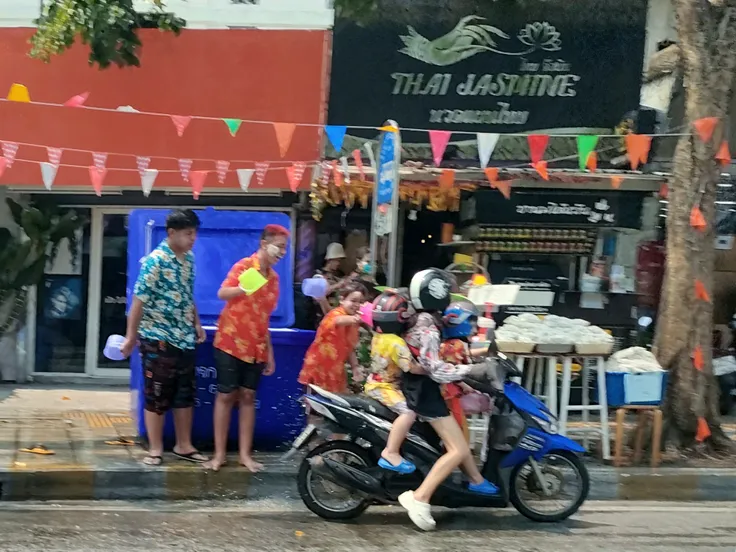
337 336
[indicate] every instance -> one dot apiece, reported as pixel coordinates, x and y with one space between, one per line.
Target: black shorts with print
168 375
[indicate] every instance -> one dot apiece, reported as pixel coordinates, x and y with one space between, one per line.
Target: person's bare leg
223 412
470 468
183 429
247 426
155 429
399 430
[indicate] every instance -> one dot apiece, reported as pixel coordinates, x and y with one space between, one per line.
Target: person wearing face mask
243 351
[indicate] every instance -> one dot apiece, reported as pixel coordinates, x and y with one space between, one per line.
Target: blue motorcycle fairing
538 444
525 401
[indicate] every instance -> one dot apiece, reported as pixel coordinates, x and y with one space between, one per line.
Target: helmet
459 319
391 312
430 289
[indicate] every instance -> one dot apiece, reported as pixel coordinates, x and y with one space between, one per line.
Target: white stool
533 366
598 363
478 431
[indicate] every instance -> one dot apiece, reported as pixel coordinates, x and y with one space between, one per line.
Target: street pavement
284 525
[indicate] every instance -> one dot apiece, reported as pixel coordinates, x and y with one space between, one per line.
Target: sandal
404 468
38 449
195 456
153 461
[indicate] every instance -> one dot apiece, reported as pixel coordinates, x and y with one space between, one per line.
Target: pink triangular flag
3 165
99 159
54 155
77 101
284 134
359 163
185 165
261 170
439 140
9 151
48 173
326 168
222 167
148 177
142 164
97 176
295 173
181 122
197 178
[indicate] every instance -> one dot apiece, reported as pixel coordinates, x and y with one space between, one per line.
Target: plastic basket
616 388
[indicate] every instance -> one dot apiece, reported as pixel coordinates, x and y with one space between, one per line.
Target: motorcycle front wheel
567 483
324 497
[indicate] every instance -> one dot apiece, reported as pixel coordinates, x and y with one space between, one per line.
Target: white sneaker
420 513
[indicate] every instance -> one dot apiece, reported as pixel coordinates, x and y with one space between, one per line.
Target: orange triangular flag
337 175
592 164
664 190
616 181
700 292
504 186
388 128
284 133
491 175
541 168
705 127
697 220
447 179
703 430
723 154
637 146
698 361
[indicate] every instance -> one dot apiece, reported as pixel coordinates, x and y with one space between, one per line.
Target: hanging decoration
97 176
233 125
723 155
284 134
637 147
701 294
703 430
185 166
99 159
48 173
148 178
337 175
142 163
359 163
345 169
388 128
18 93
371 155
447 179
504 186
181 122
325 170
77 101
537 146
491 175
586 147
697 220
592 164
3 165
439 139
221 167
244 178
336 135
54 155
541 168
486 145
261 170
698 361
197 179
705 127
295 173
616 181
10 149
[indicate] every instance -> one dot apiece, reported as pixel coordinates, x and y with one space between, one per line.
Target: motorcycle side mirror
509 367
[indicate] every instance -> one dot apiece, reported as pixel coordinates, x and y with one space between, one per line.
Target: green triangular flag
586 146
233 125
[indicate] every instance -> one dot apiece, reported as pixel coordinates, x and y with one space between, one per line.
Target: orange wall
247 74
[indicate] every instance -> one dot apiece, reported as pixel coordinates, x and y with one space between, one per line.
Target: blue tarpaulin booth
224 238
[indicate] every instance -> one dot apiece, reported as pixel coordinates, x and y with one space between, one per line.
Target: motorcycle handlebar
483 387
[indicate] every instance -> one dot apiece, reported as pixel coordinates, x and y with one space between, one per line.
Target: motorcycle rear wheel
307 481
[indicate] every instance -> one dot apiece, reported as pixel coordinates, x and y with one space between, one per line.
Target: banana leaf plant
25 254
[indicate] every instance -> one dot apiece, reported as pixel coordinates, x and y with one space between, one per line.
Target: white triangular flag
345 169
371 154
148 177
486 144
48 173
244 176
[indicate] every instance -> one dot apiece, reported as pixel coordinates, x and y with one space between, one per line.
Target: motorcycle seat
371 406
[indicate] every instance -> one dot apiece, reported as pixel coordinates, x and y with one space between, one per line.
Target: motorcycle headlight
548 426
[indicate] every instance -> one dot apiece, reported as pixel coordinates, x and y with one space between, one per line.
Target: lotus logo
470 37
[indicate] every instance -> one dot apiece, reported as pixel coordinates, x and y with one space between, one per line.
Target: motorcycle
532 465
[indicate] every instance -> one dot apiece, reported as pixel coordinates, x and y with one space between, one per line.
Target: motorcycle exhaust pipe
354 478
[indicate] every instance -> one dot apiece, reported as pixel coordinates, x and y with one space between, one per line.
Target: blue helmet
459 320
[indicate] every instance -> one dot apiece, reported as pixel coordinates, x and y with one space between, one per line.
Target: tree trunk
707 39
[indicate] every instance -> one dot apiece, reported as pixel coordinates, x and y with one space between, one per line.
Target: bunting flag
616 181
698 361
723 155
233 125
592 164
697 220
99 159
221 167
537 146
148 178
197 179
325 169
77 101
447 179
244 178
284 134
504 186
541 168
703 430
261 170
337 175
664 190
185 166
439 139
3 165
97 176
295 173
491 175
701 294
48 173
181 122
345 168
10 149
359 163
586 146
54 155
388 128
486 144
637 146
18 93
336 135
142 164
705 127
371 156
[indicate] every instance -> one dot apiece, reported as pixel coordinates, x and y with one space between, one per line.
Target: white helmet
430 290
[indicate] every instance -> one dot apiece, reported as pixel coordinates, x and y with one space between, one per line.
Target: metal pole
392 275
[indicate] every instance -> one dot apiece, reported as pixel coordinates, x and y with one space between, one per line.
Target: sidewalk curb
184 482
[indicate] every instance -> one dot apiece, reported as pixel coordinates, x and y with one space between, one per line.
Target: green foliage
109 27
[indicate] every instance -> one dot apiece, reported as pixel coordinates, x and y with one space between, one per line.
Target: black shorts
234 374
168 375
424 396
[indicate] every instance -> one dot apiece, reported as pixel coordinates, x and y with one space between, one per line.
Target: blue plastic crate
616 388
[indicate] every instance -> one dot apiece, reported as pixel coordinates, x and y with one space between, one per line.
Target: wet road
284 525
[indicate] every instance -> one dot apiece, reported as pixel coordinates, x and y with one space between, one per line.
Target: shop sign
500 67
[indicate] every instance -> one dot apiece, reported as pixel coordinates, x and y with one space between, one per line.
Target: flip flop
404 468
191 457
38 449
153 461
121 442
